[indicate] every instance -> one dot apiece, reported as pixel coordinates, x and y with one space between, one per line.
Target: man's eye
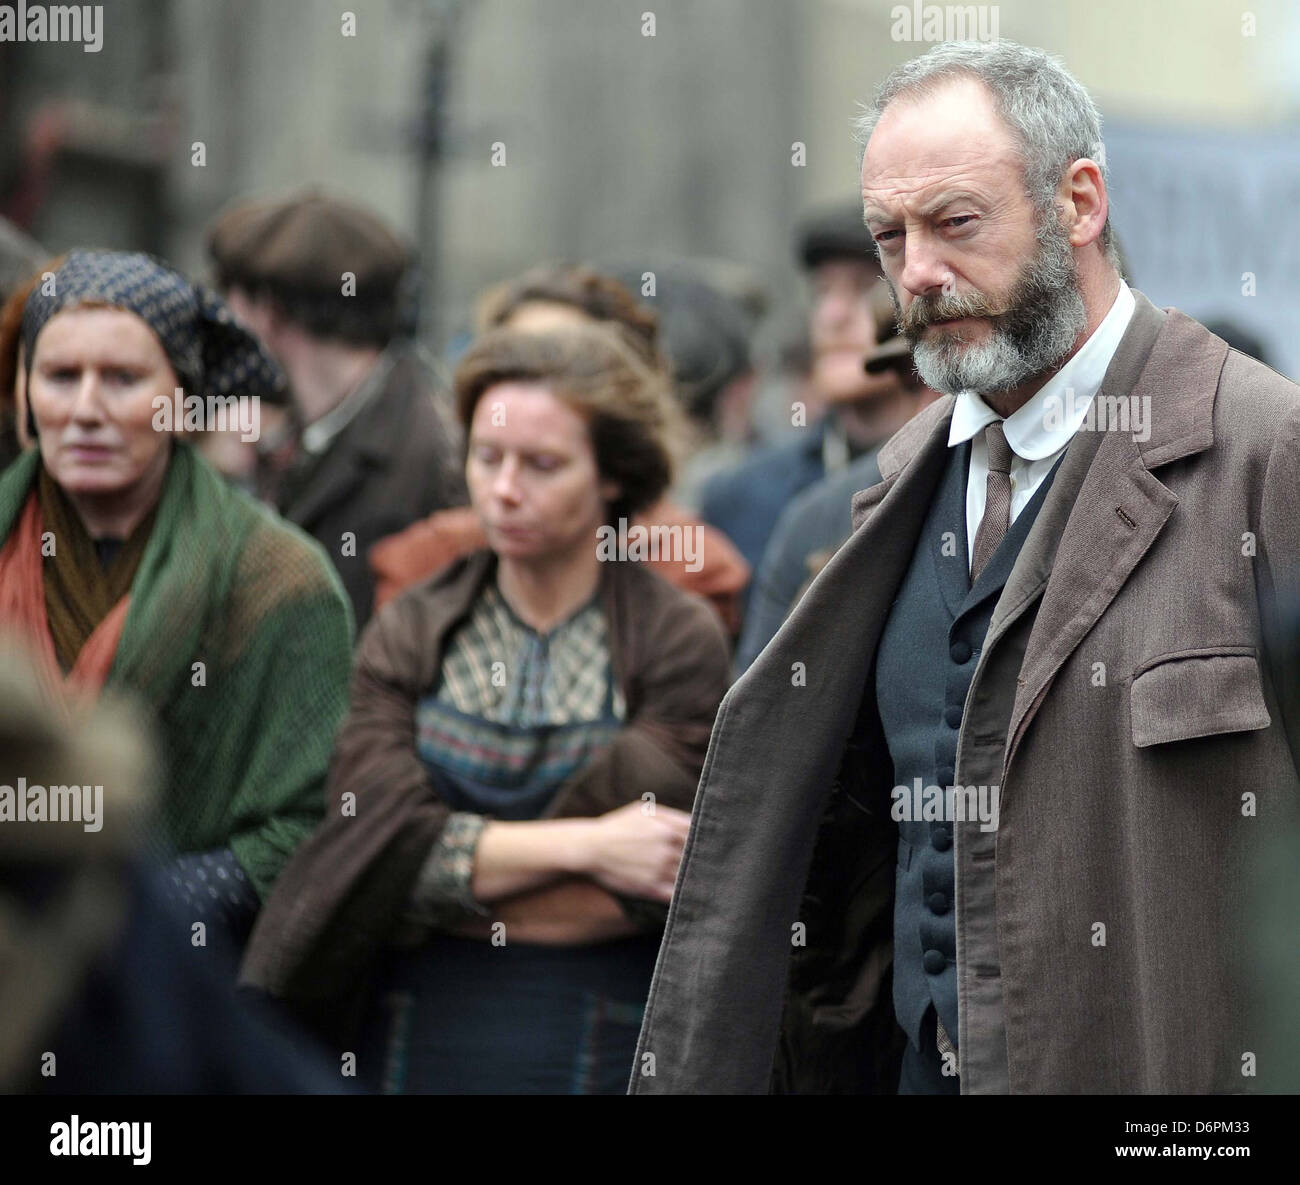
885 235
959 220
121 376
486 456
545 463
61 374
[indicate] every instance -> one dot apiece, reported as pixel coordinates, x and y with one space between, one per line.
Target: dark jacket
396 462
808 532
336 903
1157 697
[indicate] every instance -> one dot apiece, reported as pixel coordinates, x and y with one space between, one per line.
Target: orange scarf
22 607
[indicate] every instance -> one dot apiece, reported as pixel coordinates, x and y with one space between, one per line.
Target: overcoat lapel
1120 508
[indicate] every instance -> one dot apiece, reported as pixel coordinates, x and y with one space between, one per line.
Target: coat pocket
1197 693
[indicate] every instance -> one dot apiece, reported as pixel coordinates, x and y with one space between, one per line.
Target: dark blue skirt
456 1016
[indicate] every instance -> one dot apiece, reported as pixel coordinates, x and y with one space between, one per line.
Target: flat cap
836 233
304 244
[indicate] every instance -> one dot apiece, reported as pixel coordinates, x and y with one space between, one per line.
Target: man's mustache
926 310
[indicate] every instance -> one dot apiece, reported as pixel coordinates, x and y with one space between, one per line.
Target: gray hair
1053 118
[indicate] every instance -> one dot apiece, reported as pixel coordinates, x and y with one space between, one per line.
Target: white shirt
1038 432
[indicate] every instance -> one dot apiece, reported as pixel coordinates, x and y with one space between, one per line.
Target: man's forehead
952 136
925 187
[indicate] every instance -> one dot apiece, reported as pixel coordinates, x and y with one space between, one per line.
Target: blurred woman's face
532 474
94 377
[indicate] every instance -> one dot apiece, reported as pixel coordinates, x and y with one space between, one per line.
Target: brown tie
997 499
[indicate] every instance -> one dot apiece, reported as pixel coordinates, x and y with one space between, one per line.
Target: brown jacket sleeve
337 901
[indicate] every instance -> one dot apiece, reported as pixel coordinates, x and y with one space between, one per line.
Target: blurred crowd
410 751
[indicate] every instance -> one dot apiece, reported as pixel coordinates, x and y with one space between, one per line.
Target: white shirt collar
319 434
1050 418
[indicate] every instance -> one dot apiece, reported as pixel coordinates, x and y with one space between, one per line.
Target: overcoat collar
1166 351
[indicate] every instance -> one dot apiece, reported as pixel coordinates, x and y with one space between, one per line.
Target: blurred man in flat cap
812 527
325 285
745 502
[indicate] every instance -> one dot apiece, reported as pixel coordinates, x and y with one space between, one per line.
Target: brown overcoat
1150 751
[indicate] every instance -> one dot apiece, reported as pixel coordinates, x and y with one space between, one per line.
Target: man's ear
610 491
1085 201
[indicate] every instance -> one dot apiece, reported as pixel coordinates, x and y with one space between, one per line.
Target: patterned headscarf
211 352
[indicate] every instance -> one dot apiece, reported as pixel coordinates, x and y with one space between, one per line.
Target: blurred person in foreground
1025 737
745 502
820 519
539 301
508 793
127 563
325 285
103 989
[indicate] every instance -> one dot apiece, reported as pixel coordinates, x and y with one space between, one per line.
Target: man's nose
924 271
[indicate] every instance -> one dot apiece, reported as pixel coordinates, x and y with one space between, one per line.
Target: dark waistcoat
926 659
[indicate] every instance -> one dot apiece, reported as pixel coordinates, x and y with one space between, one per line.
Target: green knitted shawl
238 640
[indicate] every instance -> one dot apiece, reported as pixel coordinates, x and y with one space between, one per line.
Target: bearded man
982 817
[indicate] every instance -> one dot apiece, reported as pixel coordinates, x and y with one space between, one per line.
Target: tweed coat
1150 748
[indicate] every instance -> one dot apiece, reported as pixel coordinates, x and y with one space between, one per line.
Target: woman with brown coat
509 791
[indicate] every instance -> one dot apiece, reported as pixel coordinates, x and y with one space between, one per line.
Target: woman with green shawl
130 565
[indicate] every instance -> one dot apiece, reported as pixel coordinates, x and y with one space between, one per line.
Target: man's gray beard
1045 315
